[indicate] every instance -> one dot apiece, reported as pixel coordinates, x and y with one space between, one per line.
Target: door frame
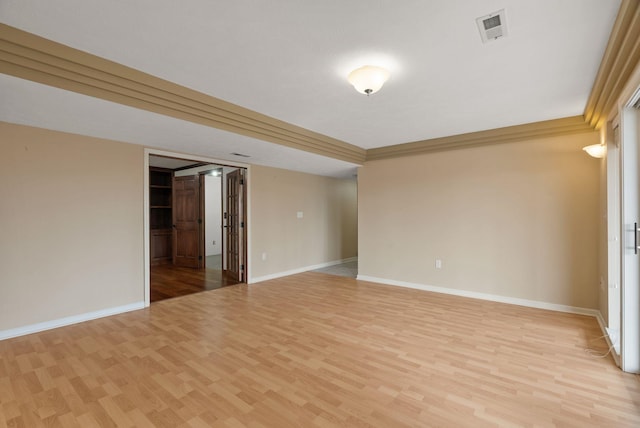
630 332
146 237
630 263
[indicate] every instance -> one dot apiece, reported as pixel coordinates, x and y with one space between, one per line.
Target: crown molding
510 134
35 58
621 57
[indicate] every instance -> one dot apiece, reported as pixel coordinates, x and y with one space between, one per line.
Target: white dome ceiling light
368 79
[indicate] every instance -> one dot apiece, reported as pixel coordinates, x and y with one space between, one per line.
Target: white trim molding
74 319
614 345
485 296
299 270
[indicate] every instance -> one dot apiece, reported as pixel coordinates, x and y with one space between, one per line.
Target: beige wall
327 232
516 220
71 221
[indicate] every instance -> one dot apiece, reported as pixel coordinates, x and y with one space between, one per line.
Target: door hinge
242 267
199 257
242 181
242 224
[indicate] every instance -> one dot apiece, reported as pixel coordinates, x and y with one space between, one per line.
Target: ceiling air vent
492 26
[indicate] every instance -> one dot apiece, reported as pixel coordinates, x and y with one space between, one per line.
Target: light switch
300 214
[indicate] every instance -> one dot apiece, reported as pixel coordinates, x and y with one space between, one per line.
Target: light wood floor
315 350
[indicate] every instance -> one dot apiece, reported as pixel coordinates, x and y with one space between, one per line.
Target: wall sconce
368 79
596 150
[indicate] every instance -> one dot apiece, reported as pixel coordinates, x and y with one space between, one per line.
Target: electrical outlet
264 257
438 264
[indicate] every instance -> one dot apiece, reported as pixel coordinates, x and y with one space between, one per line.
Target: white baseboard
300 270
602 324
605 333
61 322
485 296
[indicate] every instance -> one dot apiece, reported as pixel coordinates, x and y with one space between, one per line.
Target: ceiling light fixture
596 150
368 79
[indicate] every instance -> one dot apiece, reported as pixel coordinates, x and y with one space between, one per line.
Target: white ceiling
289 59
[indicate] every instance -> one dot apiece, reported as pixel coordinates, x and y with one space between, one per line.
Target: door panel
186 221
235 230
202 249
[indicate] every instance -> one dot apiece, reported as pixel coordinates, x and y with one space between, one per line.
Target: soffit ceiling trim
35 58
621 57
511 134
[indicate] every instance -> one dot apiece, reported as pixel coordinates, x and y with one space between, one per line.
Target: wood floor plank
315 350
168 281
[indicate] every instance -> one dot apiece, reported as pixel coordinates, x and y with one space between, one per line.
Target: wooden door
186 221
235 227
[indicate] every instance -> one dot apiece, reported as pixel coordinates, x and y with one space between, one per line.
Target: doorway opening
197 233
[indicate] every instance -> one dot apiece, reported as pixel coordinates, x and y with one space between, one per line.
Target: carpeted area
214 262
348 269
